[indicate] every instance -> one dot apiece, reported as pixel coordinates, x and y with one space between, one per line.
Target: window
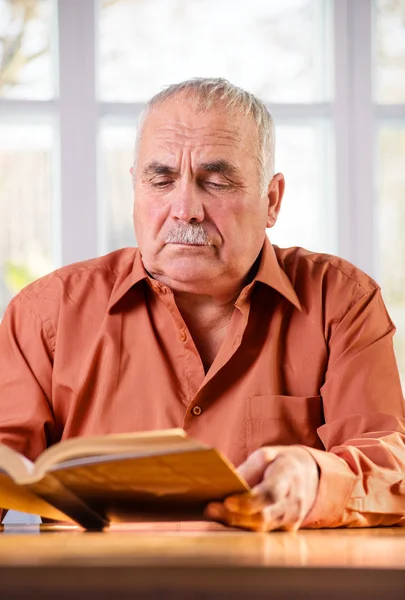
389 51
27 144
25 205
390 225
274 49
279 50
74 76
389 93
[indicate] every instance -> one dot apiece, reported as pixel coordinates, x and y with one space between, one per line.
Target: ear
275 195
132 172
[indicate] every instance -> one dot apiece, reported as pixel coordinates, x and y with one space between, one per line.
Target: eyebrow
219 166
157 168
216 166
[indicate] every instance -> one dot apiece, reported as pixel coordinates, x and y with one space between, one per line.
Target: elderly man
280 358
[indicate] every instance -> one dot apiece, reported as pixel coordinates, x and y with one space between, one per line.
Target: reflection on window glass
25 207
390 50
117 155
25 53
307 213
300 156
275 49
391 226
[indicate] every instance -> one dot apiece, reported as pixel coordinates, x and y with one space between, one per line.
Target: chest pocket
283 420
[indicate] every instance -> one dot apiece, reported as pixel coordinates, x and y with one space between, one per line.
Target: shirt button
183 335
196 410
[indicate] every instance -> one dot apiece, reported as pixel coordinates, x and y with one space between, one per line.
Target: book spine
52 491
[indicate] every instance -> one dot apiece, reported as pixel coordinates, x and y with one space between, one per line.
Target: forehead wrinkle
190 133
172 153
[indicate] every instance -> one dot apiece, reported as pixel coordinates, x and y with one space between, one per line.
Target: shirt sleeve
362 471
25 380
26 419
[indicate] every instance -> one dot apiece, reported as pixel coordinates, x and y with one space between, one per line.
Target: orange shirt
100 347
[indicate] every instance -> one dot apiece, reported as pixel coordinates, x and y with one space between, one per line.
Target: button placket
193 367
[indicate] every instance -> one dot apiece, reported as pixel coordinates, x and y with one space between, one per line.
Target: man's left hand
284 482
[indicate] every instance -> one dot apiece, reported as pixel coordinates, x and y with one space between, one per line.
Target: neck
207 310
207 319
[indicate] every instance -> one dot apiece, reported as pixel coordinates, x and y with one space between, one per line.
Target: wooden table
64 562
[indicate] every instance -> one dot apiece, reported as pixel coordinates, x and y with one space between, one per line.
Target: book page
15 464
143 443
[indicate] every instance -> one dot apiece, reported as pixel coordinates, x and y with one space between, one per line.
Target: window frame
77 113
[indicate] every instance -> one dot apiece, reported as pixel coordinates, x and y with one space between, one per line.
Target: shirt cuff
336 483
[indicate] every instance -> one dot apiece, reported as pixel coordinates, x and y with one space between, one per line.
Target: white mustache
188 234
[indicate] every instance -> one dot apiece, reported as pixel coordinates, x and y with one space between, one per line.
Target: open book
94 481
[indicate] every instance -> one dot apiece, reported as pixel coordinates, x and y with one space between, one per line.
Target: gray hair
205 93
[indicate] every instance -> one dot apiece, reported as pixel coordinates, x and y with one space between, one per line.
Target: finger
214 511
217 512
252 470
245 504
273 488
248 504
281 484
283 515
291 479
264 520
254 522
276 488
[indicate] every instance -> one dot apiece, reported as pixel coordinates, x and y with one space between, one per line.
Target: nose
186 204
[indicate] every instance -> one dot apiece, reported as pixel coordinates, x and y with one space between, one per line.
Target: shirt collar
127 280
269 272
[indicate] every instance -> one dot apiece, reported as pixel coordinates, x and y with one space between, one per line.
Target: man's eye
161 184
217 186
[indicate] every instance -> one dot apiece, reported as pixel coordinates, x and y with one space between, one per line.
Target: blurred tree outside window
26 146
25 49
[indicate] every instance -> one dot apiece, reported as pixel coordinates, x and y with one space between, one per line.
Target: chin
186 273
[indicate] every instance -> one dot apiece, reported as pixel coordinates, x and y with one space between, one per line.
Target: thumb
252 470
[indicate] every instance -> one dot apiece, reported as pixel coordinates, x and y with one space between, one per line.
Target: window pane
25 206
25 49
117 155
390 51
391 226
307 216
276 49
